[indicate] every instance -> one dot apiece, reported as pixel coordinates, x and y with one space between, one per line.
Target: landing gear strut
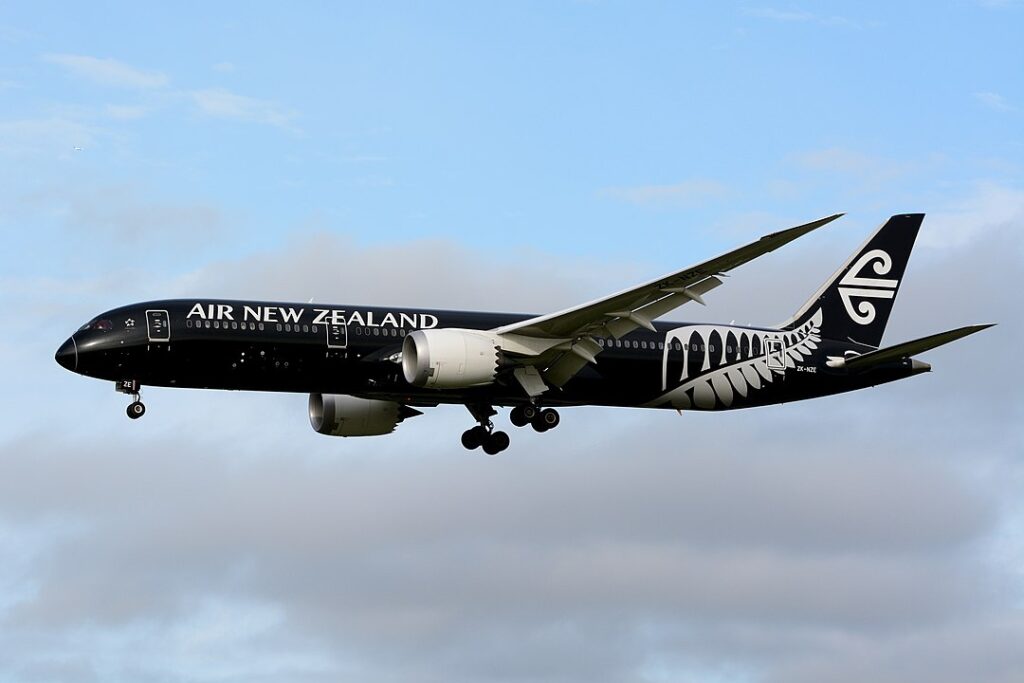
483 435
136 408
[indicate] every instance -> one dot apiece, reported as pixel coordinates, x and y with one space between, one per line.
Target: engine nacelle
343 415
449 358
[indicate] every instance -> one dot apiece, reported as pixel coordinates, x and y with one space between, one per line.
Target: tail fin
855 302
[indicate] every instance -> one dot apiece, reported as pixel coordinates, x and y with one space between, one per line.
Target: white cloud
989 206
687 192
798 16
222 103
55 135
127 112
110 72
994 101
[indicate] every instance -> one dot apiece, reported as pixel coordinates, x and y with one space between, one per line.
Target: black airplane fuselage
366 369
313 348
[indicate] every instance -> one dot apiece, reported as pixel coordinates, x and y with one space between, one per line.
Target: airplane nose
67 355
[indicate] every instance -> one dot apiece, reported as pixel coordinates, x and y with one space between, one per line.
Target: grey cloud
127 218
846 539
428 273
450 553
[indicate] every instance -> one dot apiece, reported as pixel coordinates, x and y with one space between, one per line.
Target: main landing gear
494 442
136 408
483 435
540 420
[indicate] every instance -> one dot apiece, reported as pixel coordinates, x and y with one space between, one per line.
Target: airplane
367 369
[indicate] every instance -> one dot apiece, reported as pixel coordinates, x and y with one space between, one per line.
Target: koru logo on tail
853 285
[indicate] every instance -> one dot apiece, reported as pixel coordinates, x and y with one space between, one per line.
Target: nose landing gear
136 408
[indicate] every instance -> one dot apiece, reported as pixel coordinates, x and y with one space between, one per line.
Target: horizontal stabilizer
905 350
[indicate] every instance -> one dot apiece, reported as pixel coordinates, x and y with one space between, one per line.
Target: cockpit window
97 324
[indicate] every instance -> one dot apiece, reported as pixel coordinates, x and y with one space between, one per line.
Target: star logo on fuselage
130 322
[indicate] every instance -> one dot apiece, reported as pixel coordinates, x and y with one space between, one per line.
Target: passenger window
207 325
402 331
315 329
305 328
261 327
234 325
279 328
376 332
188 323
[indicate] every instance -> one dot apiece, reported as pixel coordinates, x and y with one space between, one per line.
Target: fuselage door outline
158 325
337 335
775 354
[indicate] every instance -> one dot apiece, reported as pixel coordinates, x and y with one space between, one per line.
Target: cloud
213 102
845 539
989 206
127 112
221 103
109 72
872 172
687 192
123 217
56 135
798 16
994 101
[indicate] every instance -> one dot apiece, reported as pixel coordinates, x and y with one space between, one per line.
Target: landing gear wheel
136 409
495 443
475 437
545 420
522 415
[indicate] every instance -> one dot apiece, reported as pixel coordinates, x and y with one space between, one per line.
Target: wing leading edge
554 347
637 306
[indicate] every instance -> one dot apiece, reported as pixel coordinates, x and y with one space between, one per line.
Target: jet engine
449 358
343 415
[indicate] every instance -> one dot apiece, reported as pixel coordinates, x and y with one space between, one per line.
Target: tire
530 412
136 410
538 423
473 438
501 440
496 443
518 418
550 418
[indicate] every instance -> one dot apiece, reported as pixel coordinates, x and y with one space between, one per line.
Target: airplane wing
625 311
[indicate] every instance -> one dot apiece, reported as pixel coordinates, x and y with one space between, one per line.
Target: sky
521 157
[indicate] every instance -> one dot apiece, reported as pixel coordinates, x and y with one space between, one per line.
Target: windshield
97 324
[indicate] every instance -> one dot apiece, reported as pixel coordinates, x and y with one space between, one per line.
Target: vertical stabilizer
856 302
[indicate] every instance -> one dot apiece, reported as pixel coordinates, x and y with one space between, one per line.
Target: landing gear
523 415
136 408
483 435
492 442
545 420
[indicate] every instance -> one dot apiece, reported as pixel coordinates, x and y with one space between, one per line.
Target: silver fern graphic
731 361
